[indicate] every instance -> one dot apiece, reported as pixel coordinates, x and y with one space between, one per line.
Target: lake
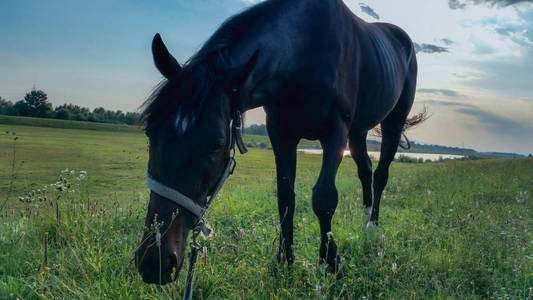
375 155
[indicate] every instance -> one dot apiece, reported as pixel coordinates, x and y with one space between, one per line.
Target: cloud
458 4
497 124
447 103
448 42
518 32
444 92
492 122
429 48
369 11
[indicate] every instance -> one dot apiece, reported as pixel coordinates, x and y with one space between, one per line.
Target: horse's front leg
285 154
325 196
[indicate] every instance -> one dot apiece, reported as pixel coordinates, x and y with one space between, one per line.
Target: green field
449 230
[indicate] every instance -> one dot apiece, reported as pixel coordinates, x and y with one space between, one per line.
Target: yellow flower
41 274
73 237
85 239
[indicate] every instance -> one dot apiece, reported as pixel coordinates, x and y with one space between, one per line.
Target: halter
192 206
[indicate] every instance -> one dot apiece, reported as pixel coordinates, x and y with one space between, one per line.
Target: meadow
73 203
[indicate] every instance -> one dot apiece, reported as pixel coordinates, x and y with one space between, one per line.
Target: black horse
319 71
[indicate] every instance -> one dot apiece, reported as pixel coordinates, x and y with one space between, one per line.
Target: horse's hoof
282 259
336 267
371 226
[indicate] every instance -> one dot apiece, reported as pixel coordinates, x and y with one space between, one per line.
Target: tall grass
12 179
452 229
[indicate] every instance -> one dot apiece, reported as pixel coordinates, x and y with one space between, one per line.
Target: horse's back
330 61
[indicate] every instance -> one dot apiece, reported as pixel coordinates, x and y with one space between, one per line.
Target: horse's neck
275 50
280 42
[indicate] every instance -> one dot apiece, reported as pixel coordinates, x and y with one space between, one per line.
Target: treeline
35 104
256 130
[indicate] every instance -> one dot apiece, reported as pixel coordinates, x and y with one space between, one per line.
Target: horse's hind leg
392 128
364 169
325 196
285 154
389 145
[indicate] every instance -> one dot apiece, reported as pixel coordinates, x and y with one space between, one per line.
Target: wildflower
85 240
394 267
41 274
173 269
73 237
46 268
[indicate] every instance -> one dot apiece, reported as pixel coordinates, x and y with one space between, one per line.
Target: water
375 155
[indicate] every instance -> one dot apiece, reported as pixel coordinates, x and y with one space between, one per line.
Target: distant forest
36 104
375 144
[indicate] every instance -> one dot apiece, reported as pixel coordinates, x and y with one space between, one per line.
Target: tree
20 108
5 106
256 129
131 118
98 115
63 114
37 104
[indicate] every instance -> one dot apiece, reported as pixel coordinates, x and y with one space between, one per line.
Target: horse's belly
303 117
374 106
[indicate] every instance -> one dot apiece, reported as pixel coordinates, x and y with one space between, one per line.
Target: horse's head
187 123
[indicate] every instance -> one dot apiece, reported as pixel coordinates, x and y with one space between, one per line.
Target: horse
320 73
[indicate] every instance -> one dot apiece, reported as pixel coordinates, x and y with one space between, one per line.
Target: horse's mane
200 73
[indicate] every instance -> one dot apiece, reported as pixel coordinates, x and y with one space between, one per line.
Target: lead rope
193 255
200 227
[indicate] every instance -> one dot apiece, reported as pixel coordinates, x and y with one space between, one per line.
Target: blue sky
476 57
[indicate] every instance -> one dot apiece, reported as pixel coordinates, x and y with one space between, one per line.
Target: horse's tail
409 123
413 122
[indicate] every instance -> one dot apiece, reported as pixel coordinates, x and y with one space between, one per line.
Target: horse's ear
244 71
164 61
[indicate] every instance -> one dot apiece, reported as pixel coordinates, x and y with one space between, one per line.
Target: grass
449 230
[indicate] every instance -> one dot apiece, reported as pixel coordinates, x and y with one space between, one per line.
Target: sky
475 57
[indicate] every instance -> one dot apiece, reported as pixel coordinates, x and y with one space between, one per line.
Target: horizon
475 58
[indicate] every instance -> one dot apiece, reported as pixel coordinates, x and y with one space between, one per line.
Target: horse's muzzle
154 269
